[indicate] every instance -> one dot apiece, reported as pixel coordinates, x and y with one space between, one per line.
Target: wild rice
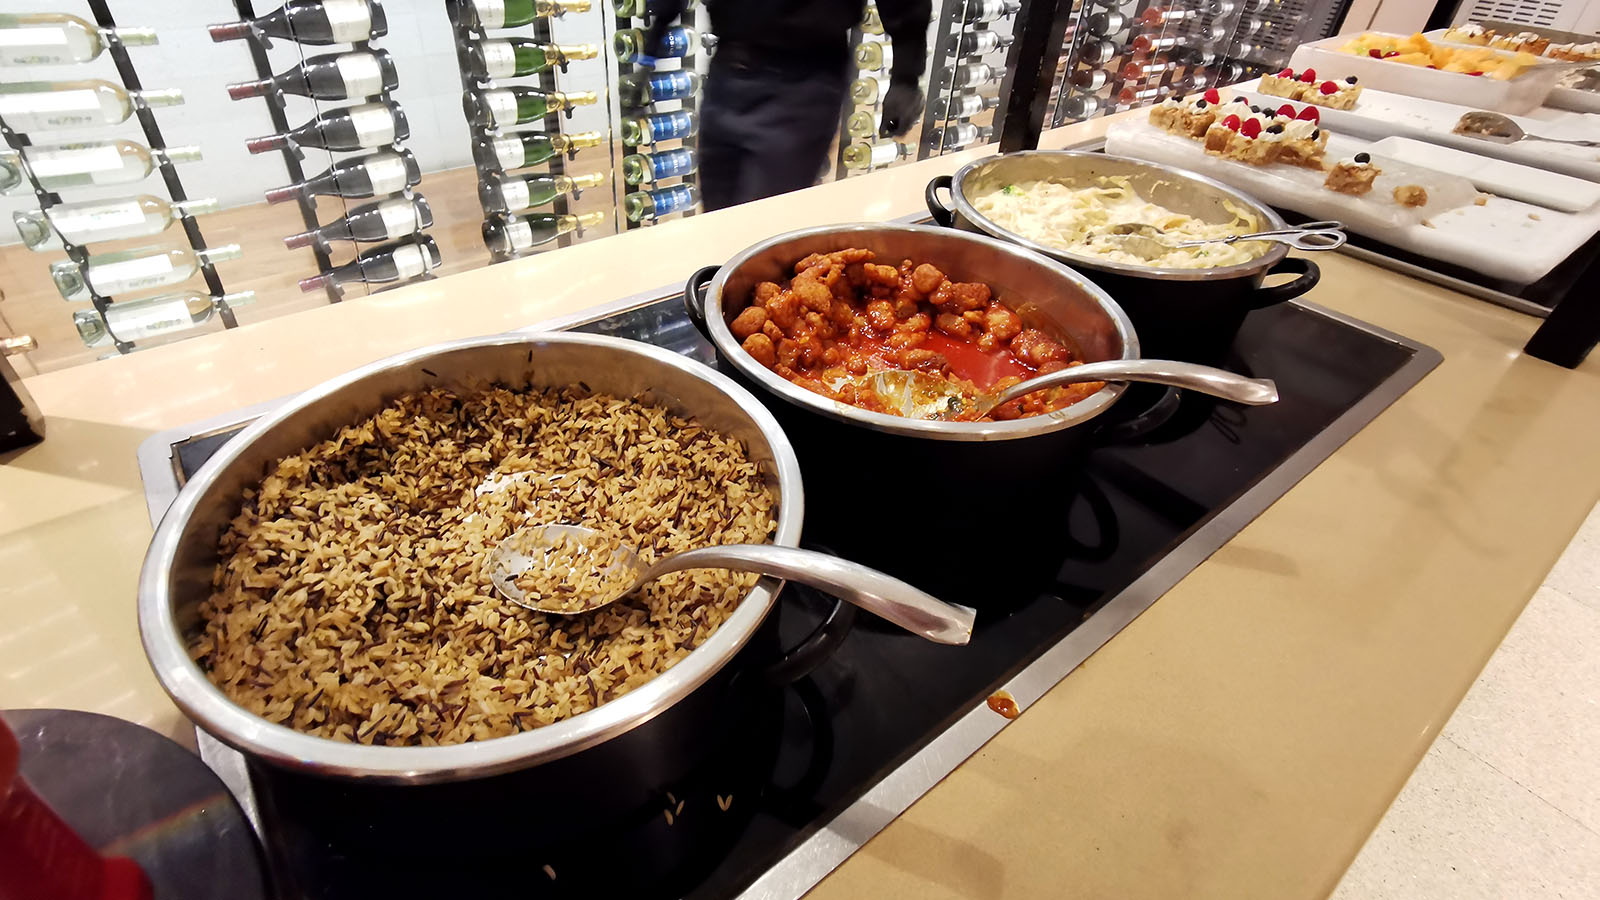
353 600
571 573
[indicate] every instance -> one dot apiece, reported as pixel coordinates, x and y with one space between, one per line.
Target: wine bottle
1144 43
870 90
990 10
963 106
103 220
348 128
973 43
862 125
501 193
875 55
1157 16
968 76
1096 53
1081 106
140 269
642 205
529 148
382 265
677 42
152 317
644 88
512 13
961 135
506 236
332 76
89 163
43 105
384 172
315 22
380 220
871 21
630 9
642 168
1104 24
505 107
53 39
863 155
511 57
660 127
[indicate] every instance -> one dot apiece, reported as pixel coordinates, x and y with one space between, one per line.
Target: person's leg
790 132
718 147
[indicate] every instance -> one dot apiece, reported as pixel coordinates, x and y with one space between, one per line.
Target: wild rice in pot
353 600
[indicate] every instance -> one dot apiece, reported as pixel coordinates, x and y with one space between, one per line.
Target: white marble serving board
1505 239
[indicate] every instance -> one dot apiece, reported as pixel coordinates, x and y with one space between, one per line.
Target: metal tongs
1151 242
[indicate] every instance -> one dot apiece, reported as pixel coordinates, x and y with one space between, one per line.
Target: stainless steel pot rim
208 707
1079 412
1269 216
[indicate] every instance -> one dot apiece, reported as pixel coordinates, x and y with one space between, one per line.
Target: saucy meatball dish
844 315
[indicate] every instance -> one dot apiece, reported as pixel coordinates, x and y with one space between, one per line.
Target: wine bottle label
499 58
675 42
373 124
491 13
670 85
348 20
37 46
387 174
52 109
508 152
361 74
133 274
502 106
519 234
410 260
672 163
136 323
400 218
96 222
884 153
514 194
101 164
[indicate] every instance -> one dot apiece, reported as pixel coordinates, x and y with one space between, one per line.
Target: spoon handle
1551 140
912 609
1189 376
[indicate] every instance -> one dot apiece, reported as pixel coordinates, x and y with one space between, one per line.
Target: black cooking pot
1188 314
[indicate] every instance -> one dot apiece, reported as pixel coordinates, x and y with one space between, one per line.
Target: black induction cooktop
793 777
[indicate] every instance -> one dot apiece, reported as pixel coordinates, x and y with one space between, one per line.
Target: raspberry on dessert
1375 53
1474 73
1286 110
1391 53
1251 128
1329 87
1310 114
1309 76
1286 73
1211 96
1231 123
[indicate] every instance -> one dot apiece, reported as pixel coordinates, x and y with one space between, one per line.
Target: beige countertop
1240 739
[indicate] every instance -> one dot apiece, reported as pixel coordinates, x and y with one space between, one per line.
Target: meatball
760 348
1000 325
765 291
748 322
1035 348
880 315
925 279
955 326
814 295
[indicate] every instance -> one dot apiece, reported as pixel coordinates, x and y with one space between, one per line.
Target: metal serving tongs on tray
1150 242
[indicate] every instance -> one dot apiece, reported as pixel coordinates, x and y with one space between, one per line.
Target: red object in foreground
42 857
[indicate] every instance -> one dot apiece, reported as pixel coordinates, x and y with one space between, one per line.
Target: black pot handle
798 662
942 215
1299 265
1154 416
694 296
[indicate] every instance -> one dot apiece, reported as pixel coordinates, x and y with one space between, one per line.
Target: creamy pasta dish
1078 220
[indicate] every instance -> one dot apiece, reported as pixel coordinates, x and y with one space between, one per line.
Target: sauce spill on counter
1003 703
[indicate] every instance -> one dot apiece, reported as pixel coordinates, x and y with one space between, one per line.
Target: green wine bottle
512 13
511 57
507 236
500 193
516 151
505 107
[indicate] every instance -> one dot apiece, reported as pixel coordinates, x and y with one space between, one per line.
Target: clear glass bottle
502 193
648 168
630 9
514 57
88 163
653 129
332 76
103 220
363 127
508 236
973 43
871 21
53 39
512 13
152 317
869 91
1081 106
862 125
384 172
864 155
676 43
646 205
47 105
990 10
963 106
128 271
641 89
380 220
874 56
314 22
509 106
529 148
969 75
962 135
382 265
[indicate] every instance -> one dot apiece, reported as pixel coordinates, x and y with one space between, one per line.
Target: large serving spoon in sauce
1491 126
920 395
1150 242
621 572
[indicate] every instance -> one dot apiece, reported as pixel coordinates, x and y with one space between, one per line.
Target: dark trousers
765 130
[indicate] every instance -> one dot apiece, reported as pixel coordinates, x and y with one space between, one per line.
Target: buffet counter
1239 739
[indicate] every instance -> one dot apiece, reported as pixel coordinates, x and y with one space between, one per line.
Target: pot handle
798 662
942 215
694 296
1305 268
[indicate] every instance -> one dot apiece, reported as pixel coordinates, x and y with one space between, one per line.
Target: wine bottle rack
293 156
695 61
20 141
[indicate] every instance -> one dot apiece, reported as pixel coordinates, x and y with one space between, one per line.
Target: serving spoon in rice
568 570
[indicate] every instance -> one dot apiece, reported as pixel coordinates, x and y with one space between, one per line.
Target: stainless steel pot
182 556
1179 313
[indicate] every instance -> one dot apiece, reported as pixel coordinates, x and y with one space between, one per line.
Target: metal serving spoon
1491 126
919 395
915 611
1148 241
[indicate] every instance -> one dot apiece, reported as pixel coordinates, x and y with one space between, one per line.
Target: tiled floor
1506 804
